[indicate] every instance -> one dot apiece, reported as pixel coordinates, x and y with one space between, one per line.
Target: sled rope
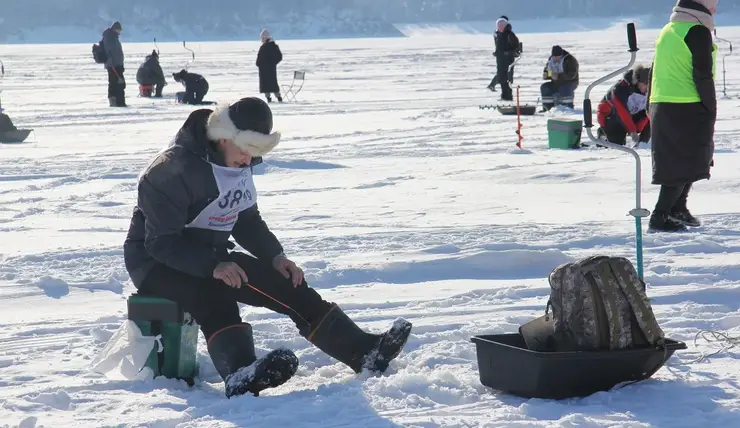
726 341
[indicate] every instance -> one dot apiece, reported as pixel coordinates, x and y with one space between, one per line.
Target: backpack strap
637 298
617 310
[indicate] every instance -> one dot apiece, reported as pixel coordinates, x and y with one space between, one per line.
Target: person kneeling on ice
196 86
562 72
150 73
194 196
622 111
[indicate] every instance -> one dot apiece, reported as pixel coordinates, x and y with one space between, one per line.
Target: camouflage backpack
600 303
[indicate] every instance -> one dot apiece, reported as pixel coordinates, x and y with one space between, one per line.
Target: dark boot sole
270 371
390 346
656 230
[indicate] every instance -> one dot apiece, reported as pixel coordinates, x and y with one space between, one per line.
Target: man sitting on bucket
561 71
192 198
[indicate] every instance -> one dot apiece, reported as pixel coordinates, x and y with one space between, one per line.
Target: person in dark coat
507 49
192 198
268 57
496 32
683 110
561 71
622 111
196 86
114 65
150 73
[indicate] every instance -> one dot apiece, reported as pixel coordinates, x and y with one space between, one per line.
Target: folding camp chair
292 91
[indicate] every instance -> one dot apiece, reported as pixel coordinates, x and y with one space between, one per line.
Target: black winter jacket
188 206
570 68
626 100
150 72
193 82
507 45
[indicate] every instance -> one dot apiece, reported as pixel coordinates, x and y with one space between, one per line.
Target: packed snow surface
399 197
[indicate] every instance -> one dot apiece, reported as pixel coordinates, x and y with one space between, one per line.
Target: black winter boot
341 338
684 216
232 352
662 222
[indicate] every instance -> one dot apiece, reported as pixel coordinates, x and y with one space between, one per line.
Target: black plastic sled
505 364
17 136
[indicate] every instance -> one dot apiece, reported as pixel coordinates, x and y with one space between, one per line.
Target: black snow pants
194 93
504 77
672 198
116 86
213 304
616 132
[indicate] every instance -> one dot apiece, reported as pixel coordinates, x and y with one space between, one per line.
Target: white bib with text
236 193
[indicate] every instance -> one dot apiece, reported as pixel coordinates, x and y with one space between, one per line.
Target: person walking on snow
114 65
683 110
622 111
192 198
507 49
496 32
562 72
268 58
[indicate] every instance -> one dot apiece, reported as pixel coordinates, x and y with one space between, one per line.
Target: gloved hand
544 75
635 137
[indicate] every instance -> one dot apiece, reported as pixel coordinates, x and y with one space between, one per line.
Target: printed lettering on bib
236 193
636 103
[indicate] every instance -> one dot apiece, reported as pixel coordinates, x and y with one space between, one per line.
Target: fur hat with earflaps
248 123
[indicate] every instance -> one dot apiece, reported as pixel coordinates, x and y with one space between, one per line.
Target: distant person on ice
114 65
150 73
683 110
192 198
268 57
196 86
622 111
507 49
562 72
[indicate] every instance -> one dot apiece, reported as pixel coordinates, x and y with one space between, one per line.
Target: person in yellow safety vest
683 110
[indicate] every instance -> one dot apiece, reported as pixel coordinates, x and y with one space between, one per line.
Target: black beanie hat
557 51
155 53
116 26
251 114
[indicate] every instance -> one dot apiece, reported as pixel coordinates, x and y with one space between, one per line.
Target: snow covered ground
398 195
